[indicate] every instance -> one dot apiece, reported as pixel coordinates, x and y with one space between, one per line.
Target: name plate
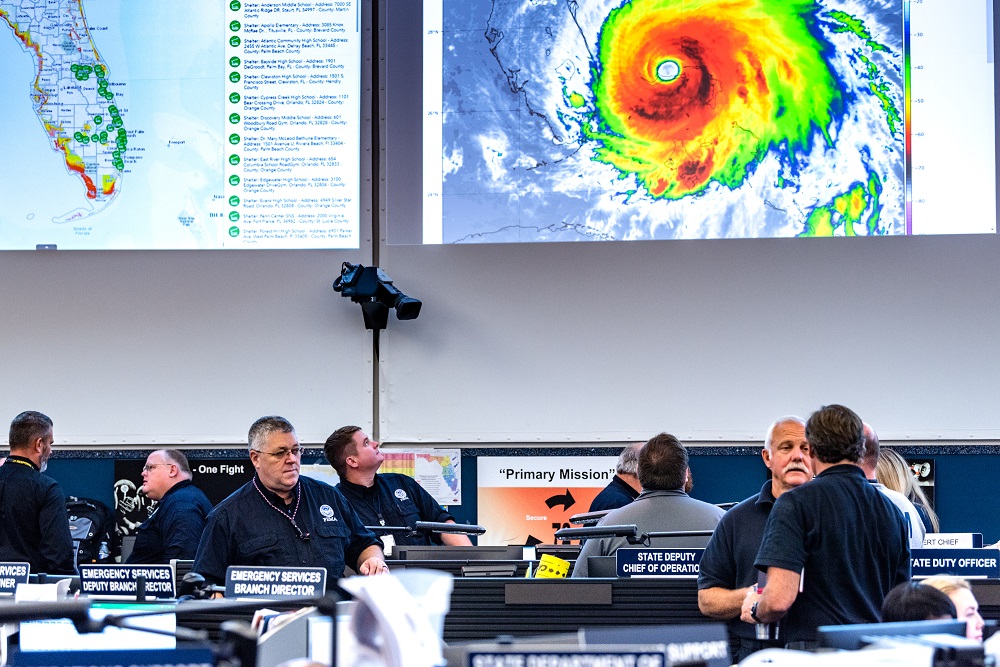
120 580
244 581
12 574
701 644
568 658
675 563
953 541
968 563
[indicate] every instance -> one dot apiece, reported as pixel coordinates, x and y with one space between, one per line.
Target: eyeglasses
150 466
296 452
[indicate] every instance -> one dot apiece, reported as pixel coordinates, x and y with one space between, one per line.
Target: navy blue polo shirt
246 529
849 542
396 500
729 558
616 494
174 529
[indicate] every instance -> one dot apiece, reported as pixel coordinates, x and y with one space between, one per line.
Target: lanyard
291 518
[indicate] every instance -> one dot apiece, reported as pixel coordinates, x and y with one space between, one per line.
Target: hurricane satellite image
669 119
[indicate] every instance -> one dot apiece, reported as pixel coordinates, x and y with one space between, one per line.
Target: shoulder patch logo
400 493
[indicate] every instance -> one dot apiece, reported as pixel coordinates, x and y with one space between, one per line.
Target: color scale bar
907 119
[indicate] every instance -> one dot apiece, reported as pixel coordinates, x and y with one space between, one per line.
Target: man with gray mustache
727 568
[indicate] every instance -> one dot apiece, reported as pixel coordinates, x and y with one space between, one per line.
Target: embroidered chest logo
328 513
400 493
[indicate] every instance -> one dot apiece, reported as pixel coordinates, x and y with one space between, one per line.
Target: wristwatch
753 612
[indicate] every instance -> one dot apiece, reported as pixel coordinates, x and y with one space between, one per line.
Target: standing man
837 539
389 499
727 570
34 527
175 527
662 506
625 487
280 519
869 464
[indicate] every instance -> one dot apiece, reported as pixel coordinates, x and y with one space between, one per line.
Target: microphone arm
430 527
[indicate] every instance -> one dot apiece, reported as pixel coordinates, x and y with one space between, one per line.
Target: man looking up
727 570
33 524
836 539
662 506
175 527
625 486
869 464
281 519
389 499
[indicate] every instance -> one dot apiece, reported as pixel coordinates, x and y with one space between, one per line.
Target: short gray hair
264 427
628 460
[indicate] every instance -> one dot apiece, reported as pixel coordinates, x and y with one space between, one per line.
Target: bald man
174 529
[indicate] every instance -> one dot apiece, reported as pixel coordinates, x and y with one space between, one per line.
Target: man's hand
372 566
748 603
372 562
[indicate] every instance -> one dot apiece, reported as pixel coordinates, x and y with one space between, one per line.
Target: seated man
662 506
625 487
281 519
174 529
388 499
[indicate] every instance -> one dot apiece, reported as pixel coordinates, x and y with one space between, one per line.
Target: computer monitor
564 551
602 567
853 637
412 552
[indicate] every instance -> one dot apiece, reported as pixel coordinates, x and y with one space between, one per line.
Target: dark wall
965 476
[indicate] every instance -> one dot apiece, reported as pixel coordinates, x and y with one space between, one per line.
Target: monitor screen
236 127
853 637
61 635
611 121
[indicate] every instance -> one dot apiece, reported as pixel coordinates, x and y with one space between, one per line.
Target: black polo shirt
396 500
729 558
849 542
34 527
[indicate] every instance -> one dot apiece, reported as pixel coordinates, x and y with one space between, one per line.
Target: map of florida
71 95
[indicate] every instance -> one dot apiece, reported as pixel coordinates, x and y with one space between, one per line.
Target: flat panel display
691 119
193 124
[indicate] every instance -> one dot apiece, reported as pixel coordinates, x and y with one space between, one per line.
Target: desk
484 608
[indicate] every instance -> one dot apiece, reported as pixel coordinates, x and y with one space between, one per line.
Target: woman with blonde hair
960 593
893 472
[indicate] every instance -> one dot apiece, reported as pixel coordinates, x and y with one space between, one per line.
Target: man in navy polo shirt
387 499
281 519
625 487
727 569
837 539
174 529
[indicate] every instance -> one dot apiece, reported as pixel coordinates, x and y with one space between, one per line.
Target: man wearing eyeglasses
174 529
280 519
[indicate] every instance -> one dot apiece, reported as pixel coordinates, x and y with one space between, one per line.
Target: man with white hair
625 487
727 568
